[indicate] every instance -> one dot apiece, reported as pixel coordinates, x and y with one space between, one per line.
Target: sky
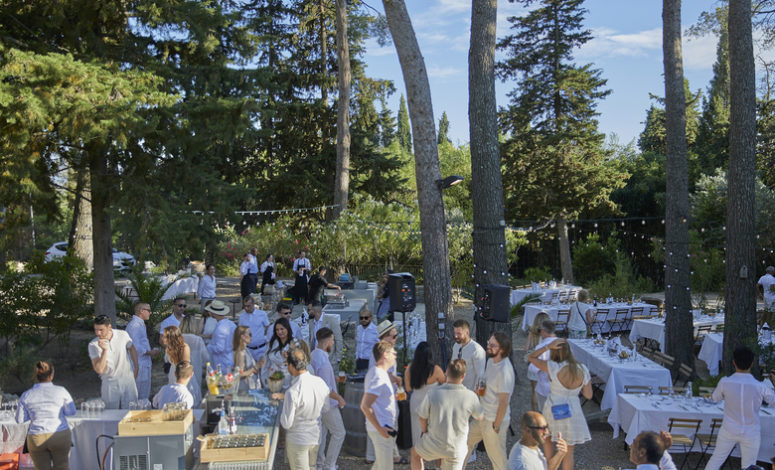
626 47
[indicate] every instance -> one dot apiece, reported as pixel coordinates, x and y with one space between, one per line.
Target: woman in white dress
562 409
277 351
533 338
421 376
177 351
191 327
243 359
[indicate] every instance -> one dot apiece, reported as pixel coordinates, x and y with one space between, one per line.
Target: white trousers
383 451
118 392
370 450
330 422
143 381
749 447
301 457
494 443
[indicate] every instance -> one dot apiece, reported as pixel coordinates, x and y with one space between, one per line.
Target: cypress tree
404 130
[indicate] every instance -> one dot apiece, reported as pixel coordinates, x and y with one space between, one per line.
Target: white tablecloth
531 310
347 313
546 292
616 373
639 413
654 328
712 350
85 429
182 286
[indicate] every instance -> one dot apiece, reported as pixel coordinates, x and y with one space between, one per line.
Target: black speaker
401 291
494 303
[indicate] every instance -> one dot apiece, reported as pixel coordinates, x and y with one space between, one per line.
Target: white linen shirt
500 379
766 282
206 289
119 364
221 346
258 322
171 320
542 386
173 393
315 325
475 357
45 405
305 400
377 382
265 265
244 267
302 262
136 330
526 458
365 339
323 369
742 395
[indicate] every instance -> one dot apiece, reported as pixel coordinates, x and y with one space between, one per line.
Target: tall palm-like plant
149 289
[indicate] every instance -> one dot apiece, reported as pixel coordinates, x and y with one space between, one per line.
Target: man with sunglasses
365 339
526 454
258 322
284 311
137 332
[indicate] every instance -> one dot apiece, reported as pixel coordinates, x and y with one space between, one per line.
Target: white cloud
699 53
435 71
455 5
607 42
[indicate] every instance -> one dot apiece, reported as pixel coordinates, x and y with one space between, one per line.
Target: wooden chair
664 360
648 352
555 296
635 312
706 390
684 375
600 319
563 296
708 441
620 320
685 441
637 389
573 295
702 331
561 324
720 328
663 390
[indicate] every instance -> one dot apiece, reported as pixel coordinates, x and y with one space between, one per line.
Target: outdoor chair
600 319
664 360
684 375
555 296
563 296
706 390
683 441
620 320
561 324
708 441
663 390
637 389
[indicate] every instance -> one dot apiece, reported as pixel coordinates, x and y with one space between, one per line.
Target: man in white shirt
647 450
305 400
743 396
379 406
137 332
470 351
767 282
258 322
526 454
444 414
284 310
110 353
499 380
221 347
365 339
207 284
177 392
542 385
332 419
315 323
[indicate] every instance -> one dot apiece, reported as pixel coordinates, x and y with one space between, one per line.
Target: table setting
654 328
545 290
711 351
532 310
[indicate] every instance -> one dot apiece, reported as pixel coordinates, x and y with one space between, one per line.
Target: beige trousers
301 457
494 443
50 451
383 451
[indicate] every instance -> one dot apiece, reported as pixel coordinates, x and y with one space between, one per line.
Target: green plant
516 309
277 375
148 289
537 274
623 283
347 363
593 260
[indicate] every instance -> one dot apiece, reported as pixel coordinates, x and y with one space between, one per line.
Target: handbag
561 411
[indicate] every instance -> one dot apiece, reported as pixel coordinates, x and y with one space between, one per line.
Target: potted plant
276 381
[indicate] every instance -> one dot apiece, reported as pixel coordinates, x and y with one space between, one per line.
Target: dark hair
461 324
102 320
282 306
456 369
175 300
267 257
743 357
209 266
321 269
324 333
248 297
548 326
422 366
503 341
184 370
298 359
285 324
43 371
652 444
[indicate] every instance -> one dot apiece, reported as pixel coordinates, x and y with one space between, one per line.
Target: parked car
121 261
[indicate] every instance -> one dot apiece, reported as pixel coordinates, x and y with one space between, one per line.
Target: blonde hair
175 343
564 354
534 332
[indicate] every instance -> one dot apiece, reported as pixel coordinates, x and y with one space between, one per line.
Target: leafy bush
623 283
149 289
592 260
537 274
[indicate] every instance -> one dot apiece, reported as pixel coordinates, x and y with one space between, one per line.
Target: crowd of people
453 408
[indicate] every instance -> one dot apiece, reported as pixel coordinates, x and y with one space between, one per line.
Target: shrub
623 283
592 260
538 274
149 289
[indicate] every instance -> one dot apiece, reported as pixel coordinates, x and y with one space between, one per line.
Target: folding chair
664 360
619 322
663 390
684 441
635 312
684 375
708 441
563 296
555 295
706 390
699 335
563 315
637 389
600 319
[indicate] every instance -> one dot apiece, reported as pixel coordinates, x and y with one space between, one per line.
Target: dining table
617 372
712 350
654 328
639 412
532 310
546 293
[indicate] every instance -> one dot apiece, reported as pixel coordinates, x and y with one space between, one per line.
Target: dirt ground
73 371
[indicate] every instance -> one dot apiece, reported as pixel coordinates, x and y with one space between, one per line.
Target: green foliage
149 289
536 274
622 283
592 260
443 136
404 130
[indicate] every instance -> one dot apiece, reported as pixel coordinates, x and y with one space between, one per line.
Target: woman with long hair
421 376
45 406
533 338
209 324
176 350
277 351
242 358
562 409
191 328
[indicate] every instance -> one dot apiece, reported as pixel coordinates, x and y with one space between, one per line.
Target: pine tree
387 124
404 130
554 161
443 128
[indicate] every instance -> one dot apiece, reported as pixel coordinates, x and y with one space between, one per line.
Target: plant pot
275 385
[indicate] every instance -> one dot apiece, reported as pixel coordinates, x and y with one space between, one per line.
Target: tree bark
566 261
740 321
343 112
489 238
323 52
104 286
436 272
678 327
80 239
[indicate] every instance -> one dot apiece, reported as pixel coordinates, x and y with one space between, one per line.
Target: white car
121 261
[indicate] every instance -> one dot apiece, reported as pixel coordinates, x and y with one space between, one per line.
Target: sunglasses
182 305
365 318
539 428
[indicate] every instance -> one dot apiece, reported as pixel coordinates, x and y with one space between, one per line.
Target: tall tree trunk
740 321
489 238
678 326
80 238
104 286
438 281
323 52
343 111
566 262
